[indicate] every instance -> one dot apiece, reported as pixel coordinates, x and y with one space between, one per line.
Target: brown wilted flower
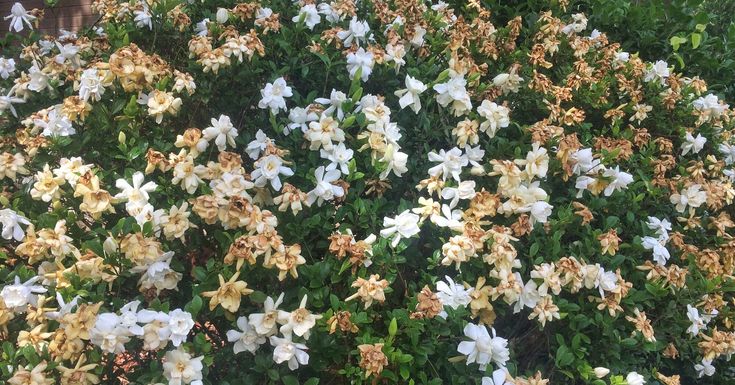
583 212
341 320
369 290
609 242
372 358
642 324
428 306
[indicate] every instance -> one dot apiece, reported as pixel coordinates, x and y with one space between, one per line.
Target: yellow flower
228 294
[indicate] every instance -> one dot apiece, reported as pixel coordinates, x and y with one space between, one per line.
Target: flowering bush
358 192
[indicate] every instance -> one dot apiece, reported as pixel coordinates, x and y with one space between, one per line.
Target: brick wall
71 15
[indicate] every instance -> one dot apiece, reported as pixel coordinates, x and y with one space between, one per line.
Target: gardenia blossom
245 339
691 196
274 94
7 101
698 322
693 144
90 85
57 123
11 221
409 96
299 321
299 118
180 324
180 368
705 368
452 162
108 334
265 323
483 348
495 117
619 180
222 131
452 294
498 378
136 195
454 94
268 169
356 34
7 67
339 156
360 60
325 190
657 71
310 14
404 225
18 16
286 350
335 101
17 295
634 378
658 246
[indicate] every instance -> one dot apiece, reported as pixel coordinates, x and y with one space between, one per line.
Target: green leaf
194 306
290 380
312 381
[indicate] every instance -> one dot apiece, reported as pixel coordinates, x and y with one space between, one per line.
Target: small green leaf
696 40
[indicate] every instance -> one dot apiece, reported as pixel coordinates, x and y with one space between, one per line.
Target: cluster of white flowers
256 328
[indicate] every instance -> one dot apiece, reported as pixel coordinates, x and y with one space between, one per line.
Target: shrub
359 192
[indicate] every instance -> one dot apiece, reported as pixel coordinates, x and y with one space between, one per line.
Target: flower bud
601 372
222 15
121 137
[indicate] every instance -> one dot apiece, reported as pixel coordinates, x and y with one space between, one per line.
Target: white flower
698 324
7 67
465 190
658 71
529 296
11 221
158 274
90 85
330 13
201 27
268 169
18 16
619 180
508 82
690 196
180 323
336 98
222 131
300 118
7 101
17 295
108 334
180 368
454 94
58 124
64 307
660 226
187 174
396 161
404 225
634 378
274 94
68 52
418 36
451 164
299 321
448 218
156 332
453 294
409 96
339 156
539 210
658 245
39 79
357 33
136 194
310 15
705 369
710 107
622 57
495 117
578 24
246 338
286 350
265 323
693 144
536 162
323 133
499 378
360 60
395 53
728 150
483 348
129 318
324 190
143 17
